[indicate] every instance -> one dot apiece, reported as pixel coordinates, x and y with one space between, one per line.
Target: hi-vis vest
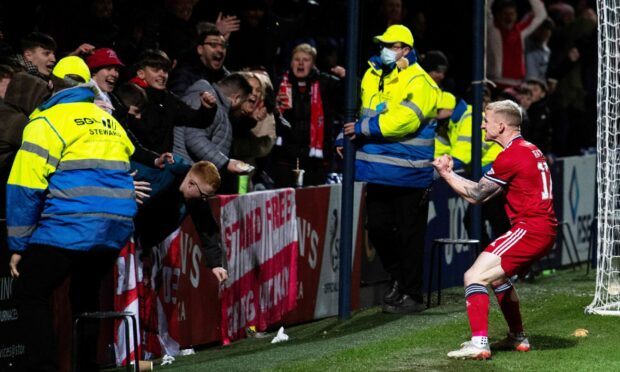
395 126
458 143
70 185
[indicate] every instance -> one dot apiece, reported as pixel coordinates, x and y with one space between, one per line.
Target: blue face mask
388 56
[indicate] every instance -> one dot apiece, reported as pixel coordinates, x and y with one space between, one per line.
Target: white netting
607 296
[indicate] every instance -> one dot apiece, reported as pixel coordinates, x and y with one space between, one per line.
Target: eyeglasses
203 195
392 46
214 44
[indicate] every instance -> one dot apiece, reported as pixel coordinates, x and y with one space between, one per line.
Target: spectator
537 52
436 64
212 142
187 195
164 110
57 230
395 141
38 54
506 38
105 68
571 41
260 139
538 130
6 72
207 63
100 27
308 99
23 94
177 31
419 28
259 40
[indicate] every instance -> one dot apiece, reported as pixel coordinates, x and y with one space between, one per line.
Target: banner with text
259 232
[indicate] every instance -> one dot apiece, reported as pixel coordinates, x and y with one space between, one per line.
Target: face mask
388 56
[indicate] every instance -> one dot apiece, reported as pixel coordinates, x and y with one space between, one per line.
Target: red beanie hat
103 57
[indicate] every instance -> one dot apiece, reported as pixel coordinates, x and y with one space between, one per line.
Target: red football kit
523 173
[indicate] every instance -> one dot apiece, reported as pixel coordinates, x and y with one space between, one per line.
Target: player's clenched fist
443 164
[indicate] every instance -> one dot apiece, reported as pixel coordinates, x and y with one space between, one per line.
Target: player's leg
508 301
518 250
484 271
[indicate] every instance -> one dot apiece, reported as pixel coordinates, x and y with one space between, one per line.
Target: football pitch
370 340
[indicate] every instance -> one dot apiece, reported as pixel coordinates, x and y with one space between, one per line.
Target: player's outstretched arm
473 192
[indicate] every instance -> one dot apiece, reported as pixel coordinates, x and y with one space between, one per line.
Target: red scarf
139 82
317 117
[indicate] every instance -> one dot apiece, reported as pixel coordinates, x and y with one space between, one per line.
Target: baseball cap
72 67
395 34
103 57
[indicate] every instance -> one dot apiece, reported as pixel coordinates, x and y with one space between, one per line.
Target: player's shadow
543 342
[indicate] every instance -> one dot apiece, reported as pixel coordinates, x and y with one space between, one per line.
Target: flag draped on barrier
125 298
174 293
260 237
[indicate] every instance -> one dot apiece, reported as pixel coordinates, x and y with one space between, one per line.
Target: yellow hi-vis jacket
70 185
395 130
458 143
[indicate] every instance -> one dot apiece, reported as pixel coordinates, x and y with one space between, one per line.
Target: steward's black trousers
42 269
397 219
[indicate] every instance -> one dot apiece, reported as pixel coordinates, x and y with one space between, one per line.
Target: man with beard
207 64
213 142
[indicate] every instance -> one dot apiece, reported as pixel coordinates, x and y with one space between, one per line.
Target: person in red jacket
506 40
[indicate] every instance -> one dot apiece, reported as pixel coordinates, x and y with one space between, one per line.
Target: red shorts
520 247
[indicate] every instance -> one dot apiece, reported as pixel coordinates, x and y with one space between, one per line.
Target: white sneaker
470 351
512 343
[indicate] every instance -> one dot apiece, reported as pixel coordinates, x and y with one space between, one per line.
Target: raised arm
474 192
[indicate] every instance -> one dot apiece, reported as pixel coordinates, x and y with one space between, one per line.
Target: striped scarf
317 118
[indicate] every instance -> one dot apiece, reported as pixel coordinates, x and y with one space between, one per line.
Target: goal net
607 295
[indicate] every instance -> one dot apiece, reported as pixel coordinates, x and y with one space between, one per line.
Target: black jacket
163 112
296 139
187 73
538 130
160 217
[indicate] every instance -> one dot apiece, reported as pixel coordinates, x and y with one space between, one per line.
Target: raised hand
227 24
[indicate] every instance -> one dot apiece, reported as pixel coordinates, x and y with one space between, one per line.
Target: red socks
509 306
477 299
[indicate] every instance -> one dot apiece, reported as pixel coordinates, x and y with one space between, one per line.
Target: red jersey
522 171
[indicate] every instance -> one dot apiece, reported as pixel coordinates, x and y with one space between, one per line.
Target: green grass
552 309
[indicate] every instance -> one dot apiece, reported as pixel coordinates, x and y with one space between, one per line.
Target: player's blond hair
509 109
206 173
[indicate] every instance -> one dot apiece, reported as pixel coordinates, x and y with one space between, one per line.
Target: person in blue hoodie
70 208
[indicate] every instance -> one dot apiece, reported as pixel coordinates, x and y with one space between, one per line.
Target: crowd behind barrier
184 306
559 105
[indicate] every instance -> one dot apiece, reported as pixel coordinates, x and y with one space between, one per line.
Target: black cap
434 60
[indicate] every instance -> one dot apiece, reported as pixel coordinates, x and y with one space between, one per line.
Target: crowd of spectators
540 54
255 86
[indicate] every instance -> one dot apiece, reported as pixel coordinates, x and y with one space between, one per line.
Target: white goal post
607 295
